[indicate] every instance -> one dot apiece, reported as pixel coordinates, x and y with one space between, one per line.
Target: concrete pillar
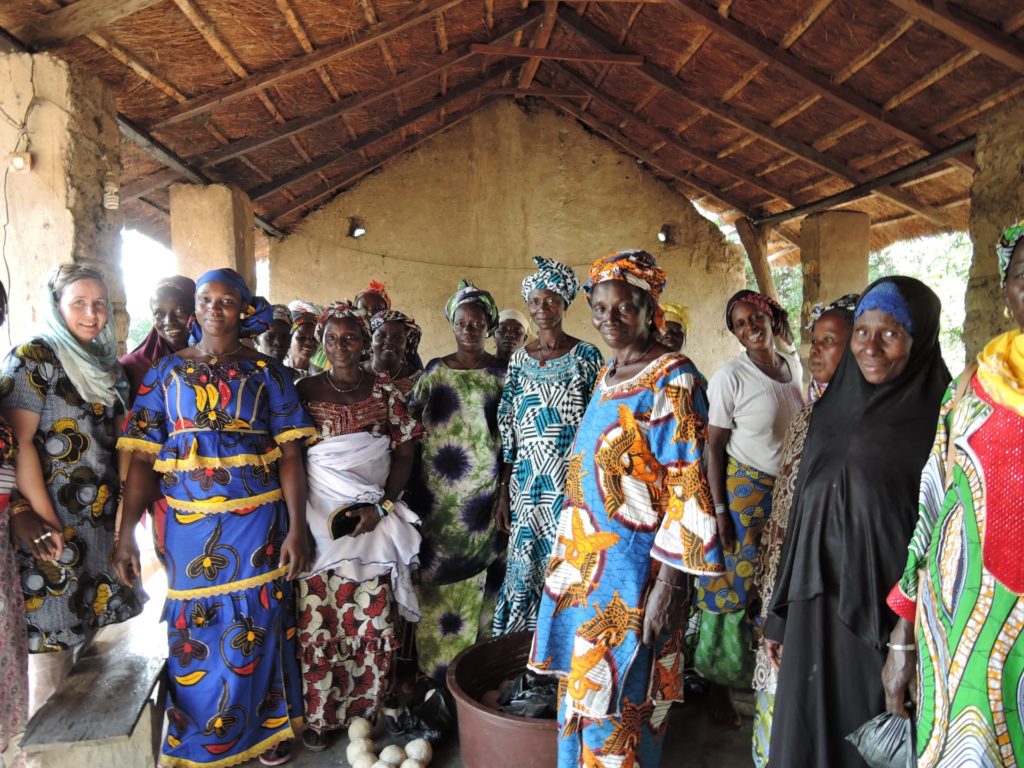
212 227
834 255
66 121
997 201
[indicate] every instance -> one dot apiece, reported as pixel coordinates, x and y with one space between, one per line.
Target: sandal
314 741
278 754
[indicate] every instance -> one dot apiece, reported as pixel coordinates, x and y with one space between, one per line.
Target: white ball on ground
360 728
392 755
363 760
358 747
381 764
419 749
410 763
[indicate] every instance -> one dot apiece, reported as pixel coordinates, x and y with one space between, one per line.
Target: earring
1006 313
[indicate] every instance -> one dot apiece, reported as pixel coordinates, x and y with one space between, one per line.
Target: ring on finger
46 535
37 540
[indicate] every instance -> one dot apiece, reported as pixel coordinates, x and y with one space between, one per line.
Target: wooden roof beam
736 118
541 38
76 20
340 182
965 28
375 137
623 59
760 47
422 11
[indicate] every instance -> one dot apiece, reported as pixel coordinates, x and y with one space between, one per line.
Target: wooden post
755 240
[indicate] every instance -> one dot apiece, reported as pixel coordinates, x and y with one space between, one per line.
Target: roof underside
749 107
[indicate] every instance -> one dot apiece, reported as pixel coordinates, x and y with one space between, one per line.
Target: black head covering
855 504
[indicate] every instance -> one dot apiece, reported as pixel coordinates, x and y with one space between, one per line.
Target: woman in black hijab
853 514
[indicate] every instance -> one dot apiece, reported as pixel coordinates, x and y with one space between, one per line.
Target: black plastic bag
530 695
430 713
886 741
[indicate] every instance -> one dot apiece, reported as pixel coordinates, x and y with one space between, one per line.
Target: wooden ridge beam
375 137
537 91
624 59
735 117
433 68
626 115
340 182
967 29
760 47
422 11
76 20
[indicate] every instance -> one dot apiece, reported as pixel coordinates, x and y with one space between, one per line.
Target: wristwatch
385 507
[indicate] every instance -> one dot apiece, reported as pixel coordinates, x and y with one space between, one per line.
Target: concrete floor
692 741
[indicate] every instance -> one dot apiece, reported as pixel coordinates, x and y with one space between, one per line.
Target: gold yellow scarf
1001 370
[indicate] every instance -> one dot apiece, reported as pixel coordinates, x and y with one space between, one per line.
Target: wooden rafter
63 25
375 137
539 92
146 185
291 17
541 38
622 59
967 29
807 18
338 183
231 92
735 117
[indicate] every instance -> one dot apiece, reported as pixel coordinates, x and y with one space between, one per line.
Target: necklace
391 375
214 358
475 365
540 351
343 390
614 367
772 364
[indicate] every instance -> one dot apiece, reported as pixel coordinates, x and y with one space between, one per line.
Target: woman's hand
126 561
899 675
369 518
295 554
43 540
774 651
726 531
502 511
666 604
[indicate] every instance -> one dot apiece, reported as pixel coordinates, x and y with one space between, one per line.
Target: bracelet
503 484
896 647
721 509
19 506
380 511
670 585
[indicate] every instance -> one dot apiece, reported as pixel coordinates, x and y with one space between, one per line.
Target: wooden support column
755 240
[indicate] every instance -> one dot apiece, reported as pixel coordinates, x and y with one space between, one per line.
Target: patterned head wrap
282 313
412 331
886 297
467 293
299 318
1004 250
553 276
844 305
677 313
377 288
514 314
344 310
256 312
768 305
638 268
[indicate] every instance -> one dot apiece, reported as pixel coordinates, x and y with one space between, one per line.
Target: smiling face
880 345
275 340
303 345
218 309
546 308
469 325
388 345
371 303
1013 291
171 311
620 312
829 338
343 342
85 309
752 327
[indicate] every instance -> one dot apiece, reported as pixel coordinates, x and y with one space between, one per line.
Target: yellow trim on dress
295 434
135 444
221 504
250 754
224 589
199 462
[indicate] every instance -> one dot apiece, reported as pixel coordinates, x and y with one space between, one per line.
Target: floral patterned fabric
216 430
14 648
66 601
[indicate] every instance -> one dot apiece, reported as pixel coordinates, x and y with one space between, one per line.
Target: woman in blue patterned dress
219 423
637 519
547 388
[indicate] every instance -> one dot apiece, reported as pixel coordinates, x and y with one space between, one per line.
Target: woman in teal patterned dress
547 388
456 400
219 424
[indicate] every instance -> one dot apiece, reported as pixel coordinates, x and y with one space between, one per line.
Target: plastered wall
480 200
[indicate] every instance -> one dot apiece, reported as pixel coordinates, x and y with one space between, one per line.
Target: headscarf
514 314
768 305
256 312
467 293
377 288
855 504
155 346
299 318
638 268
412 331
282 313
677 313
553 276
1004 249
844 305
344 310
93 370
886 297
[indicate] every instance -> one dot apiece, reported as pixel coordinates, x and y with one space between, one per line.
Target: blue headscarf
554 276
257 314
886 296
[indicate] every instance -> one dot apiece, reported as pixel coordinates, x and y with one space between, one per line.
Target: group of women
545 489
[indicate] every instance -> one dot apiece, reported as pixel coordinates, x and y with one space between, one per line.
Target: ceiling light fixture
666 235
355 228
